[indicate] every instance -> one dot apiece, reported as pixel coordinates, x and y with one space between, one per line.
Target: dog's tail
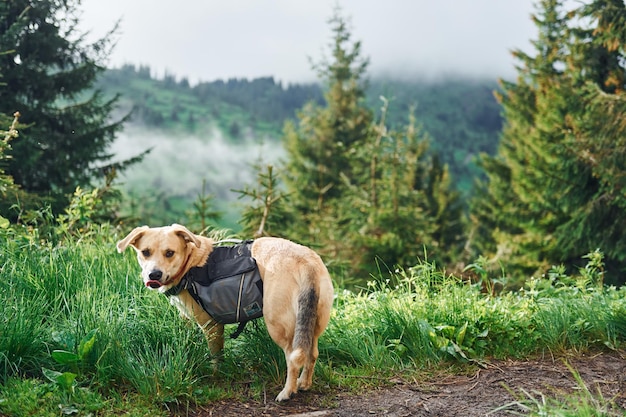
306 321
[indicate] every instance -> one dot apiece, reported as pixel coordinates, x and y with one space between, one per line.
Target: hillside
238 107
218 130
461 117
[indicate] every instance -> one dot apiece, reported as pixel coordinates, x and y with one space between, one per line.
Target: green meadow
80 335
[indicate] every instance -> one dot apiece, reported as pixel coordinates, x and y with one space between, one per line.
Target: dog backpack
228 286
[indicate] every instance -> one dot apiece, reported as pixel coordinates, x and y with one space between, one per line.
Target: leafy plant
89 207
593 272
6 181
74 359
480 267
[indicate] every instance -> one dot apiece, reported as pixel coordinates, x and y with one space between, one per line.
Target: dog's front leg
213 331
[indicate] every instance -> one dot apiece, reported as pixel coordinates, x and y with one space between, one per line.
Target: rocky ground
501 388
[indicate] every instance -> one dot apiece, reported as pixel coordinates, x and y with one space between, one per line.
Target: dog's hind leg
296 359
322 317
306 377
303 352
294 363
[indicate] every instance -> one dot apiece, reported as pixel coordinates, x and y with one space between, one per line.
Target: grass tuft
580 403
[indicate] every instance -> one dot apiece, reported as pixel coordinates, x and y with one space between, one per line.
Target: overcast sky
205 40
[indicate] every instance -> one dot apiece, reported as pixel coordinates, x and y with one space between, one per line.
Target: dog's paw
304 385
284 395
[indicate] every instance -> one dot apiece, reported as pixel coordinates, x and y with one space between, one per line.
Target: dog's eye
169 253
145 253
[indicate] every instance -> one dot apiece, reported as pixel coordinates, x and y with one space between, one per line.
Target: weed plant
54 297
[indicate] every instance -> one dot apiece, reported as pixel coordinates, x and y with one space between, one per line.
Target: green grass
583 403
145 359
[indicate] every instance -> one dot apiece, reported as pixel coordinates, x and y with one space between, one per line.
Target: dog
297 291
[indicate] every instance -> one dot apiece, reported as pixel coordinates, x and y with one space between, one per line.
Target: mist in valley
177 165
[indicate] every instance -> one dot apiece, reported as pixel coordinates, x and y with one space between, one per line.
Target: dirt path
468 396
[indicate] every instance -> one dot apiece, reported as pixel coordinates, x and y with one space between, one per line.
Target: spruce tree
358 191
266 215
596 133
598 136
324 142
542 204
406 208
515 213
47 75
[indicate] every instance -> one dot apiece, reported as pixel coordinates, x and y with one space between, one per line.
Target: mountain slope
238 122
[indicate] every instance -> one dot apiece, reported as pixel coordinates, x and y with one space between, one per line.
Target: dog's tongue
153 284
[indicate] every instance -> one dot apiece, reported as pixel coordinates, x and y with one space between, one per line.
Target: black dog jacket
228 286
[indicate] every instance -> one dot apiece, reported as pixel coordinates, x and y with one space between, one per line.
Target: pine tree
267 214
541 204
356 190
505 210
596 134
46 76
406 207
323 144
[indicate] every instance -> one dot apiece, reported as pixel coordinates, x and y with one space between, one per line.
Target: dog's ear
183 232
132 237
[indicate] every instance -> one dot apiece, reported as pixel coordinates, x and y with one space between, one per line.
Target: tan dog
297 291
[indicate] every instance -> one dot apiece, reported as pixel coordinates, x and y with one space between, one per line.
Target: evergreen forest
524 174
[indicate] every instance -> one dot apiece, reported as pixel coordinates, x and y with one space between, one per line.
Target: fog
209 40
178 165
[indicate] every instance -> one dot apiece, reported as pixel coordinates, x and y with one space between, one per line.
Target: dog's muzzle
155 279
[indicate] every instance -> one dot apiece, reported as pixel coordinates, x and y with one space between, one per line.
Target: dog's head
164 253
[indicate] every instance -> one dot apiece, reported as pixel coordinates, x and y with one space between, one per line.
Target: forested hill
461 117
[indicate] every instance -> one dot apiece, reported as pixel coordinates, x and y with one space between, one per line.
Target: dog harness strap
240 327
243 276
175 290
